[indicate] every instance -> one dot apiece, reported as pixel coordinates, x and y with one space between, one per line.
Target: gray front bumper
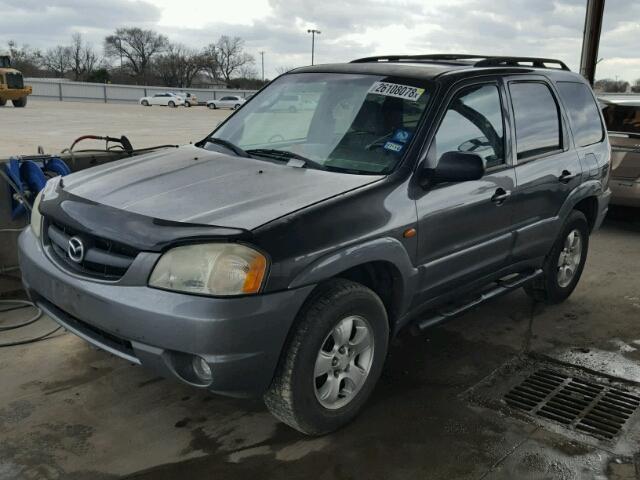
241 338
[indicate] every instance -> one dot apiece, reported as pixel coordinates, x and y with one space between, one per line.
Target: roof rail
467 59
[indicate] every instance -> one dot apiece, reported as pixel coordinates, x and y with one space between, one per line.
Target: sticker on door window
396 90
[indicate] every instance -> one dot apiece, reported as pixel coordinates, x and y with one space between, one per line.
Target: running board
501 287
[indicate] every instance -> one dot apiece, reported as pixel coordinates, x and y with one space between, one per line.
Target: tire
3 102
187 104
295 394
145 103
555 286
236 106
20 102
172 104
212 106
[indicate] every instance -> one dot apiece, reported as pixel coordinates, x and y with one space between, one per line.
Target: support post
591 39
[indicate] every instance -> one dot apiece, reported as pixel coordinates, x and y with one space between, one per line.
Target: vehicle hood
196 186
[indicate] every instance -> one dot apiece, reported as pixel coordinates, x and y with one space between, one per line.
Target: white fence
107 93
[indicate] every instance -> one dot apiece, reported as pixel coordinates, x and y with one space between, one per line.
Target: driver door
464 228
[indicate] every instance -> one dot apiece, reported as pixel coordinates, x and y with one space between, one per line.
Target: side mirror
456 166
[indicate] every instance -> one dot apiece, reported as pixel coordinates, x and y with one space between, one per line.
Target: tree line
609 85
142 57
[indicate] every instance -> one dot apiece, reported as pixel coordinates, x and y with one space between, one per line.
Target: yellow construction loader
12 85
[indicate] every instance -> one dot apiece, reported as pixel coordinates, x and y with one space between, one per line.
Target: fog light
202 369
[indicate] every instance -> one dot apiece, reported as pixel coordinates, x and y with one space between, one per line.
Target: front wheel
3 102
333 359
145 103
172 104
212 106
564 264
236 106
20 102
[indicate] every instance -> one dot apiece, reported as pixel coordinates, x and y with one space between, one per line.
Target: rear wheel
187 104
20 102
565 263
333 359
236 106
212 106
3 102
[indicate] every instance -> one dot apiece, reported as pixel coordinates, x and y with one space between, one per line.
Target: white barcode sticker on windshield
397 90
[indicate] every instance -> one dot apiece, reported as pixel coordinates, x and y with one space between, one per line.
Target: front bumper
240 338
14 93
625 192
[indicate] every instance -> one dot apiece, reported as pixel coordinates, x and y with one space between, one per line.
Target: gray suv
279 255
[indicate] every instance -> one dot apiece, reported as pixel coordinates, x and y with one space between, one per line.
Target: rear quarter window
583 113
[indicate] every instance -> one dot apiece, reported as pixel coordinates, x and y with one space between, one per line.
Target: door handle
566 176
500 196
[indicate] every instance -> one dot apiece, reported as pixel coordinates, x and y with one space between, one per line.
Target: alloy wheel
343 362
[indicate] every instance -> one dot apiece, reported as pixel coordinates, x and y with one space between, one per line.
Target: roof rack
471 60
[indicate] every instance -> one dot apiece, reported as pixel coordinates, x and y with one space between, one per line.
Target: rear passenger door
464 228
547 166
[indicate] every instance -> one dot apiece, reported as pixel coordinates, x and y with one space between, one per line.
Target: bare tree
636 86
24 58
83 58
57 60
179 65
609 85
284 69
227 57
138 47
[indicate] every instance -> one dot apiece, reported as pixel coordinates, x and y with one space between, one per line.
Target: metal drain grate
591 408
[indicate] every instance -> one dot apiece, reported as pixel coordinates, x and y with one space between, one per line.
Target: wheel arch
383 265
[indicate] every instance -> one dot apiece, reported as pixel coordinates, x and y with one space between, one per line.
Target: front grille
595 409
102 258
14 80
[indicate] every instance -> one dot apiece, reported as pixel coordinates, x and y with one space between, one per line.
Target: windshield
5 62
622 118
342 122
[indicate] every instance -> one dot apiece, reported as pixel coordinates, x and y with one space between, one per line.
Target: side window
583 113
473 123
537 119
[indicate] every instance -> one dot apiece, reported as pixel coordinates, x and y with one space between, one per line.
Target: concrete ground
70 411
55 125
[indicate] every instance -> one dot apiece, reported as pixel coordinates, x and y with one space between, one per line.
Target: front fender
385 249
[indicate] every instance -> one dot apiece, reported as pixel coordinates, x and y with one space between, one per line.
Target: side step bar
500 288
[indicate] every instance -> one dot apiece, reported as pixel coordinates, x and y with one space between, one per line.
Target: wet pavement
68 411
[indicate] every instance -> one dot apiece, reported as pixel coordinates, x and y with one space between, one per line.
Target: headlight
36 218
211 269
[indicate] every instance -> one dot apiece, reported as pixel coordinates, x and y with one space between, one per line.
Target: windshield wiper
227 144
285 155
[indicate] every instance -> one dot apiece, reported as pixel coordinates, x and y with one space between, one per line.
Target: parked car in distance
190 100
622 116
228 101
167 99
280 255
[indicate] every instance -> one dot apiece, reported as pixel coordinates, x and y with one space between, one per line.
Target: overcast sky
350 28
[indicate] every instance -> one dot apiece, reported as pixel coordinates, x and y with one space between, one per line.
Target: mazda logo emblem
75 250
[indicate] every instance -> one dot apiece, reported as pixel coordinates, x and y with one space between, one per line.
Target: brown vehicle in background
622 116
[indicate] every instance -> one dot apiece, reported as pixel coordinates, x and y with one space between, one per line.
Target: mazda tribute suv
279 255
